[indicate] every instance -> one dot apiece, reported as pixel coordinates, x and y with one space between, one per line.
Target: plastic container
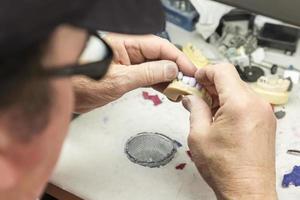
279 37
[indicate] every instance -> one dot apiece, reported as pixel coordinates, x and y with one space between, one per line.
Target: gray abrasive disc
150 149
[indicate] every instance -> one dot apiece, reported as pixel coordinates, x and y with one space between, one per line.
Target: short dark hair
24 97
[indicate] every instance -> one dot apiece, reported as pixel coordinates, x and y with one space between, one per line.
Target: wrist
262 188
271 195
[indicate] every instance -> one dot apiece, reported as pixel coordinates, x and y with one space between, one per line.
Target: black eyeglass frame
93 70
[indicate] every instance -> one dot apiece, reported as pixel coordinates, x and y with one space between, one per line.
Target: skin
232 143
26 166
224 149
139 61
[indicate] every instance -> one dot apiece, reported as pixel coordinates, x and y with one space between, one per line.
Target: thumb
201 116
151 73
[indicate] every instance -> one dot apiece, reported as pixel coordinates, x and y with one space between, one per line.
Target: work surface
94 166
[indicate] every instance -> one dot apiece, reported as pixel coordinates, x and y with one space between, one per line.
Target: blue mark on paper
292 178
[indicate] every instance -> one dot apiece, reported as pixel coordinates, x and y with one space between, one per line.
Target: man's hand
232 143
139 61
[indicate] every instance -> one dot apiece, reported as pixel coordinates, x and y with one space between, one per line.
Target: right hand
233 142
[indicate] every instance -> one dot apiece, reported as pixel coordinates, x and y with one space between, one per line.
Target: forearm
88 95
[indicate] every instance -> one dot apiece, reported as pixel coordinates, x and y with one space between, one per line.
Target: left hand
139 61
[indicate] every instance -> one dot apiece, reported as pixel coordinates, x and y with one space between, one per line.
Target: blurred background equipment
287 11
181 13
279 37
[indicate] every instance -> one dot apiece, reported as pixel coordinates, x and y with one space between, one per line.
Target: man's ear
8 173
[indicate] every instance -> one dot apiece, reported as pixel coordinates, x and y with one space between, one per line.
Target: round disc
150 149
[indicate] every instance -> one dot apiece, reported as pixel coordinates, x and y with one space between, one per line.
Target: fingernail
186 103
171 71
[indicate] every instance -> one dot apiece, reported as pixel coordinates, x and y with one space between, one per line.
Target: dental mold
185 85
273 89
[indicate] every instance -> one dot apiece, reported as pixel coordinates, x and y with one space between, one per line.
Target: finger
169 51
224 77
155 48
211 90
215 101
150 73
121 54
134 51
119 50
214 110
201 116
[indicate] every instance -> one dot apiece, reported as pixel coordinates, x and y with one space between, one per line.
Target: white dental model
273 89
185 85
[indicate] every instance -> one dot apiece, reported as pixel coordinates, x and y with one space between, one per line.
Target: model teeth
273 84
180 76
185 80
190 81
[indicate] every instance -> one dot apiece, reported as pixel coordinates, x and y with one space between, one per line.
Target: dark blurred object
250 74
181 13
48 197
293 152
279 37
253 73
75 115
291 84
241 72
280 114
164 34
242 16
25 23
274 69
287 11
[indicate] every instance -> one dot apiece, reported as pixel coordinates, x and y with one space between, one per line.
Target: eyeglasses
93 62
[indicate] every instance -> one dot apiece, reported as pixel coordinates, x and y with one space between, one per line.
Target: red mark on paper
180 166
146 95
154 98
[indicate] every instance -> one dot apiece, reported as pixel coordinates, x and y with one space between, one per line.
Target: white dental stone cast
192 82
180 76
185 80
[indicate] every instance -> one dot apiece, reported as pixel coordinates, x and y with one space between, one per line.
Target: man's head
36 111
34 124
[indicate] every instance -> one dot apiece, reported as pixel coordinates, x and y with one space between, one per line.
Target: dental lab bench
93 164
